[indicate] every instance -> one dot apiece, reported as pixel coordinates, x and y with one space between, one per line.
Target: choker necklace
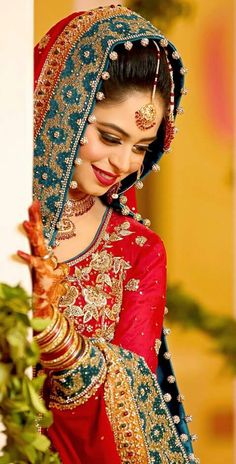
66 227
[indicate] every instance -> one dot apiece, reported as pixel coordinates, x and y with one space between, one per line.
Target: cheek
137 163
95 149
91 152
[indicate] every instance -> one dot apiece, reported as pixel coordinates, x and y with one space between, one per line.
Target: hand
48 276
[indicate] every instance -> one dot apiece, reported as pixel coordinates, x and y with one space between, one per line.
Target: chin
95 191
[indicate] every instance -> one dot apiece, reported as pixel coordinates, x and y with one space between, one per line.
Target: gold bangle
81 357
54 332
57 363
69 335
56 340
42 334
70 360
66 344
51 336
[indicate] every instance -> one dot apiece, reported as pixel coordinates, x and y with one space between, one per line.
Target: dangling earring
112 193
139 183
78 162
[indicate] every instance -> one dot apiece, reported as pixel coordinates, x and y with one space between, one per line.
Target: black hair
135 69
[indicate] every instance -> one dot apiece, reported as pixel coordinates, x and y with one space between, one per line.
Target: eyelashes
111 140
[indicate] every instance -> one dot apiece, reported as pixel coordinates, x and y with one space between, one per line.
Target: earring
112 193
78 161
139 183
73 185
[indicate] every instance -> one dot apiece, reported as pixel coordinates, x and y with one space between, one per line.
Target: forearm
75 366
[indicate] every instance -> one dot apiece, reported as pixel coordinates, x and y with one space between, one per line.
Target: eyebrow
121 131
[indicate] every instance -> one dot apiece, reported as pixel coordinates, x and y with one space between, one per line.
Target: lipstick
105 178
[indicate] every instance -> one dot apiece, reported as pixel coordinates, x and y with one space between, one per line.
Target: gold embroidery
144 400
76 385
122 412
67 85
69 298
143 429
157 345
44 41
140 240
120 231
132 285
101 261
101 287
106 332
95 245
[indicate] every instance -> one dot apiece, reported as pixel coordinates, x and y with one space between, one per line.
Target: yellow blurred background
190 204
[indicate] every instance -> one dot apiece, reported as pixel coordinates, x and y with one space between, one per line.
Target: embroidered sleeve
144 299
139 418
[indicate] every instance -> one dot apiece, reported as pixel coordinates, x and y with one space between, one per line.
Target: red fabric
78 434
131 197
41 53
84 435
142 312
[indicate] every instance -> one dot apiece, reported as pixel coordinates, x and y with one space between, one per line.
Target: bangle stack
59 344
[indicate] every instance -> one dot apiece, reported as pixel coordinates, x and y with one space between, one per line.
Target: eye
141 149
108 138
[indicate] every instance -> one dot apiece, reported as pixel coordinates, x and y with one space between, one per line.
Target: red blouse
116 291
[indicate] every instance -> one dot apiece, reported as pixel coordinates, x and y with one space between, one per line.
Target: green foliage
190 314
160 12
20 402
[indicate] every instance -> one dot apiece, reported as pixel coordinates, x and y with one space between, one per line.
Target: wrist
59 344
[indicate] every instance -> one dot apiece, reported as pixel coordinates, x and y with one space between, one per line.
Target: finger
25 256
27 226
33 235
34 229
34 212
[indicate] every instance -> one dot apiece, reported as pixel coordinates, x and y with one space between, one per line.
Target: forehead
122 113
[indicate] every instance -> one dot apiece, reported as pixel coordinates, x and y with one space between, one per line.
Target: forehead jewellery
145 117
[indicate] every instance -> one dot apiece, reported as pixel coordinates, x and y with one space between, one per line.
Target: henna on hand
47 274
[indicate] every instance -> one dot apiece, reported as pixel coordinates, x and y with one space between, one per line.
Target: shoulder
141 238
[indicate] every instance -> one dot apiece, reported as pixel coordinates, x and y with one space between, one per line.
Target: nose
121 159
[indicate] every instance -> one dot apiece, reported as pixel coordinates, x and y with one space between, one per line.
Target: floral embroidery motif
132 285
120 231
140 240
70 297
95 293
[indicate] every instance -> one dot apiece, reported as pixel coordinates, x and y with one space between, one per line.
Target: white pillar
16 83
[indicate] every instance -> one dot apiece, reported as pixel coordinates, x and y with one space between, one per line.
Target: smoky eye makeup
113 139
105 136
141 149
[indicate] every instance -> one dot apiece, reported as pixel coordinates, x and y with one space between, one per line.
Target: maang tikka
145 117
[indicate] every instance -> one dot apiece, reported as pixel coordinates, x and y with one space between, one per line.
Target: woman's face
116 146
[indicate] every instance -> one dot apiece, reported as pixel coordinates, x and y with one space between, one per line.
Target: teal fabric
73 99
176 407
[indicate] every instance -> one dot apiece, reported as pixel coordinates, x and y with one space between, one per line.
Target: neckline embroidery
95 242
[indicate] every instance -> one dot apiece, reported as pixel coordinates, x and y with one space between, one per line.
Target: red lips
105 178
